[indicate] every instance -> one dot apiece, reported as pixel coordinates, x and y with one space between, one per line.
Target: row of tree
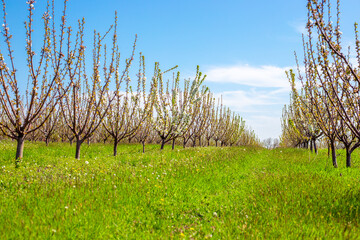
327 103
67 99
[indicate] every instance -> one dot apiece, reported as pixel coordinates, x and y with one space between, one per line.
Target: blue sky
243 46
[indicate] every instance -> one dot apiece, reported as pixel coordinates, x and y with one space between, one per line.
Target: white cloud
253 100
299 26
258 94
263 76
261 109
265 126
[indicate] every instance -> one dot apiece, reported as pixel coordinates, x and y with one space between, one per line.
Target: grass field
219 193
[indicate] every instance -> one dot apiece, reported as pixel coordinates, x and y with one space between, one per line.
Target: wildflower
181 234
66 207
215 214
53 230
162 199
86 162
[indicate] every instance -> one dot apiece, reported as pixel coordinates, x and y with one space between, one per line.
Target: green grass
223 193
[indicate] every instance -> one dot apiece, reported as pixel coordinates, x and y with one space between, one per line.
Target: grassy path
230 193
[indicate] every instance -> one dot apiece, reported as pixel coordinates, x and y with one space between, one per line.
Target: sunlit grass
199 193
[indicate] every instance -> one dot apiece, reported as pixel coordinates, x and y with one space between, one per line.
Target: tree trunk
333 153
199 141
47 141
216 143
348 156
115 147
194 143
162 144
143 146
78 146
19 149
173 144
208 142
184 142
315 148
311 145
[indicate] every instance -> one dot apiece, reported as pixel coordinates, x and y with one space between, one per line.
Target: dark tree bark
333 153
115 147
173 144
20 147
78 147
162 144
348 157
